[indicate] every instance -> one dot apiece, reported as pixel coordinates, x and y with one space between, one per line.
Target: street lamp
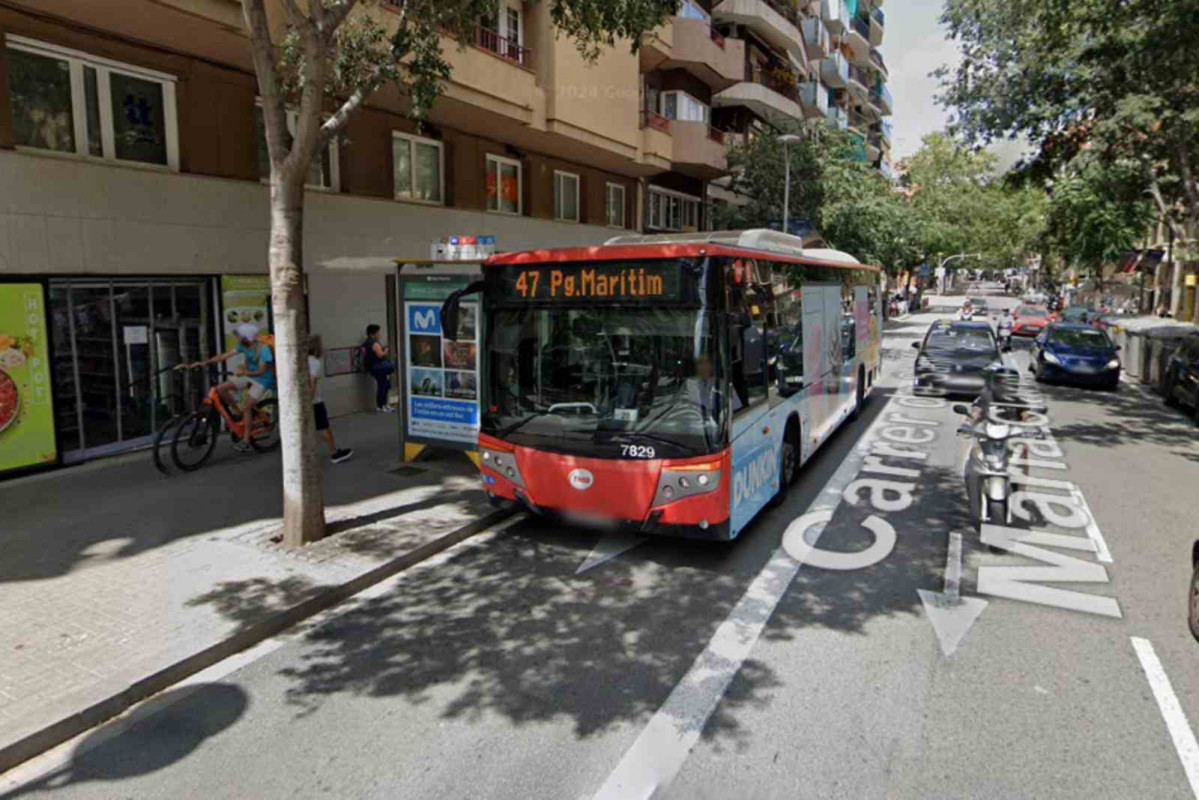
787 139
941 268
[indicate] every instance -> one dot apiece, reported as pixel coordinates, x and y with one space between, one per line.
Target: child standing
315 350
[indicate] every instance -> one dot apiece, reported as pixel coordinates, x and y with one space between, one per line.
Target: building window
70 102
671 211
503 185
323 173
566 196
417 165
614 204
682 106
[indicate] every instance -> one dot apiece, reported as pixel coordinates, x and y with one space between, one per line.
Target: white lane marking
63 755
1175 717
658 753
950 614
1101 551
608 547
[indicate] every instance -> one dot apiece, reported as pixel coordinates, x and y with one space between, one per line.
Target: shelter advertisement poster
26 404
442 375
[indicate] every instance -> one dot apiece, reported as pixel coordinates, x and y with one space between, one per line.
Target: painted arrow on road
951 614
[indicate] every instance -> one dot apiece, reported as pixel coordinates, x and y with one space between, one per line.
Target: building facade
133 170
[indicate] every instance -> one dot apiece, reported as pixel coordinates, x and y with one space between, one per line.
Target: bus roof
758 243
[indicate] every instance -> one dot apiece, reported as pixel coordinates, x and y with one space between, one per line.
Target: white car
1035 297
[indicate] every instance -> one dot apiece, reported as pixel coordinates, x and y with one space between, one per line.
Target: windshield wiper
521 423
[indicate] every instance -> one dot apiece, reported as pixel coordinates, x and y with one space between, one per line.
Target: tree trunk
303 501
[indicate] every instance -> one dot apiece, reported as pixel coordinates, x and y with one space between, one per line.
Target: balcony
878 24
858 142
886 128
656 149
502 46
699 150
491 74
860 81
876 58
813 97
817 38
775 21
880 98
834 71
874 147
837 118
857 37
771 95
701 51
835 16
858 121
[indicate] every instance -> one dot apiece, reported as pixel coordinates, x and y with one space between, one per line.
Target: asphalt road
685 670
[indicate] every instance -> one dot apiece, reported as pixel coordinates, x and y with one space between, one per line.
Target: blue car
1076 353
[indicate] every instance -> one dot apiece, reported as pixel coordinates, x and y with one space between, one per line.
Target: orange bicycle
196 435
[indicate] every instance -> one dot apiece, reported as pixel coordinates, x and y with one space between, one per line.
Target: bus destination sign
616 281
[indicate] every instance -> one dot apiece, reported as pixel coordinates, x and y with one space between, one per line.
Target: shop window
504 185
417 166
566 196
614 203
681 106
323 173
69 102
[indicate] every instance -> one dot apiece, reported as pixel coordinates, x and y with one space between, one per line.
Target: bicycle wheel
162 444
194 440
264 432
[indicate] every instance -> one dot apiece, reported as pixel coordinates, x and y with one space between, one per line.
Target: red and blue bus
673 383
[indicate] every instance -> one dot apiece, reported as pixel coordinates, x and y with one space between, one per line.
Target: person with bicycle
255 376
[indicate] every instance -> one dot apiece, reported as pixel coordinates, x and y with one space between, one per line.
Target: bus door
822 358
755 451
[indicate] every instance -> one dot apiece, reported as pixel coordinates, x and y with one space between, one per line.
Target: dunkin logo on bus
759 473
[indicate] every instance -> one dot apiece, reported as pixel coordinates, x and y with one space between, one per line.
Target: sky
914 45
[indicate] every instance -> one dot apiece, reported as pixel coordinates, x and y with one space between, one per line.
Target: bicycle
196 435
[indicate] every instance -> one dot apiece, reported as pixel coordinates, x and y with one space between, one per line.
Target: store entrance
115 343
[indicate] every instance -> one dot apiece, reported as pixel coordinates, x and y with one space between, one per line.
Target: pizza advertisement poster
27 436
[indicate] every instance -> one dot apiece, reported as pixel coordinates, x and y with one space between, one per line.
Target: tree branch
336 14
294 15
274 114
1188 177
337 122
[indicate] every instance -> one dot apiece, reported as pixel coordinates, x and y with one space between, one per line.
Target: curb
56 733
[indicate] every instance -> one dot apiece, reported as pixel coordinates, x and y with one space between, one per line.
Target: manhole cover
407 472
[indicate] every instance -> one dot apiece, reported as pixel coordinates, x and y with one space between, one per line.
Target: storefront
114 343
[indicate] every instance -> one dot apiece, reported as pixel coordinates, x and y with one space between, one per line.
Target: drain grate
407 472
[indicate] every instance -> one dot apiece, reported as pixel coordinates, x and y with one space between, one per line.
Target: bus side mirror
449 310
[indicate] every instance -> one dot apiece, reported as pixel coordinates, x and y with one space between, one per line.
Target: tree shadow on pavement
1126 416
158 734
506 627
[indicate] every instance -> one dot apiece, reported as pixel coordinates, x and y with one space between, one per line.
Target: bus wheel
790 466
861 394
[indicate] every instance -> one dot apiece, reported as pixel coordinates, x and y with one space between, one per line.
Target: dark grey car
952 358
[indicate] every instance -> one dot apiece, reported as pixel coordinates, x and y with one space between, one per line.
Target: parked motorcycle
988 485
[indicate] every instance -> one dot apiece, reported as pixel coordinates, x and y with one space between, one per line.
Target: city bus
674 383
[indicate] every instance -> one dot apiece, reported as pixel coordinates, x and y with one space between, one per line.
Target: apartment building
133 166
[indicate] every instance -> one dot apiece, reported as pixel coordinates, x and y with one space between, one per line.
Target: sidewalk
116 581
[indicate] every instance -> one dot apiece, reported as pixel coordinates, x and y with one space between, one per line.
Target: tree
854 208
1097 213
324 62
1114 78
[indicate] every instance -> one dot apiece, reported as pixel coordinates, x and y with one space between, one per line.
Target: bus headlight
686 480
1114 364
502 463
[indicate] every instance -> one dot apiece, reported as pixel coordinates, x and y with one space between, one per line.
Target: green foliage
1112 78
1097 213
951 201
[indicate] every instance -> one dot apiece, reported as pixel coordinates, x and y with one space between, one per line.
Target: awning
1140 261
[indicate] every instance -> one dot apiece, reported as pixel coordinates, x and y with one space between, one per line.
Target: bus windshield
605 382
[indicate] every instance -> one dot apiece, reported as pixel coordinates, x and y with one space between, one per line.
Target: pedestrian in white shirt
315 351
